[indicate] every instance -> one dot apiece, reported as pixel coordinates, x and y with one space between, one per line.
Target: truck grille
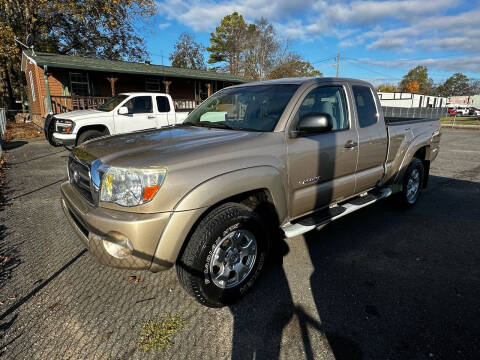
79 175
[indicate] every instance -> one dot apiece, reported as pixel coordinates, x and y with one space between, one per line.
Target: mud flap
49 129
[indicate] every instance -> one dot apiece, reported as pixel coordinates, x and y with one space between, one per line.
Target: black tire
194 264
88 135
49 129
406 197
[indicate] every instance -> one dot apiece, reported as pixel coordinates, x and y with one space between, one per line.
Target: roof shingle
117 66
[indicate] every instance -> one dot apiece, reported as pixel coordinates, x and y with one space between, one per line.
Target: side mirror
315 123
123 110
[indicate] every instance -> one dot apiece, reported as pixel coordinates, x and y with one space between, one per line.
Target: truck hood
166 147
82 114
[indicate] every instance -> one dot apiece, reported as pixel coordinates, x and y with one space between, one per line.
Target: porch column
112 81
47 88
209 89
167 86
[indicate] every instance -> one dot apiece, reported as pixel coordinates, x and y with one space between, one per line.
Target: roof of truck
303 80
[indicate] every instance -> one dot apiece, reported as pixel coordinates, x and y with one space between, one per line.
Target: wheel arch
264 186
98 127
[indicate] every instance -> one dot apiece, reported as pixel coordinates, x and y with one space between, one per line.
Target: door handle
350 144
151 116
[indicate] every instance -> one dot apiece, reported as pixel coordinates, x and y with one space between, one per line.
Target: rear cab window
163 104
365 104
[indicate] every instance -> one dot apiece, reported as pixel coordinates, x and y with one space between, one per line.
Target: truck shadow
386 284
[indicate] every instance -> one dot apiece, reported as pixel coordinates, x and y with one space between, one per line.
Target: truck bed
399 114
402 132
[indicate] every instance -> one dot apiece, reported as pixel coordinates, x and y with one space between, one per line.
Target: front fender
195 203
236 182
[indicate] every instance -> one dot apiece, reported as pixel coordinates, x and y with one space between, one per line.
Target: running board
314 221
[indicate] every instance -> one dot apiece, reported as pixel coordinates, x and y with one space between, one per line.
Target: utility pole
338 62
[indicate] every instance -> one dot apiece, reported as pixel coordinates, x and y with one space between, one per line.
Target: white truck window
139 105
163 104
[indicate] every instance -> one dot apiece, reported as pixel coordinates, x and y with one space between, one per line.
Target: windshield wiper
186 123
217 125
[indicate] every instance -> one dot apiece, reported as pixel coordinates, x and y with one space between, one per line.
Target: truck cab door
372 139
163 110
321 166
140 115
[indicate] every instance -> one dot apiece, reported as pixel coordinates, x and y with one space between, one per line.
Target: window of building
32 86
79 84
152 84
366 109
327 100
162 104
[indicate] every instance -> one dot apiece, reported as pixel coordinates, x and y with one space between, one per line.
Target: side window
162 104
366 109
327 100
139 105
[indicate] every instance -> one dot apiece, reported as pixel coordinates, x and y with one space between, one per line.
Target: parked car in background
122 113
452 111
251 163
462 110
474 111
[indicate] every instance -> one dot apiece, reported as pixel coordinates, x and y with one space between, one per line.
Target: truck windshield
251 108
112 103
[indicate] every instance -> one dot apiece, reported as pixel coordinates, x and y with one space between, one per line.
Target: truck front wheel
224 256
88 135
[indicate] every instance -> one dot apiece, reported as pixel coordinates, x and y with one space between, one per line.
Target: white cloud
388 43
399 26
163 26
459 64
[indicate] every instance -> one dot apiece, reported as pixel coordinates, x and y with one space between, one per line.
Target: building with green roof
59 83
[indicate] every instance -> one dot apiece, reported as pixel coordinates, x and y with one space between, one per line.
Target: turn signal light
150 192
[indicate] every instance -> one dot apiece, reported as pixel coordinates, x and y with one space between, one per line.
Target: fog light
117 245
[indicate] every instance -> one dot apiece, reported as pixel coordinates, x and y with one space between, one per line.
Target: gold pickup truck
208 195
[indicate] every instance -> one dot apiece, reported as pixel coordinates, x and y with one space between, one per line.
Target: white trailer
409 100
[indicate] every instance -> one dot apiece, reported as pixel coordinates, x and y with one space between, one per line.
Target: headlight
131 187
65 126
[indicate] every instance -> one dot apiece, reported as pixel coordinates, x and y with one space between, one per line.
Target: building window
79 84
32 86
152 84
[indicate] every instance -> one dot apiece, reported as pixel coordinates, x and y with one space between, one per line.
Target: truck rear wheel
224 256
412 183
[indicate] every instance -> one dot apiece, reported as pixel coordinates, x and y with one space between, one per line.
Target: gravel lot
379 284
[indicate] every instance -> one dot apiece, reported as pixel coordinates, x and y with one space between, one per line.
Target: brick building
59 83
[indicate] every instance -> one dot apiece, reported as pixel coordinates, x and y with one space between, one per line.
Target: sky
377 40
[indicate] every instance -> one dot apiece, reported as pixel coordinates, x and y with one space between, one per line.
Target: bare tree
187 53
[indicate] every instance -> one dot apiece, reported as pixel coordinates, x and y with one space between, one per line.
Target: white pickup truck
123 113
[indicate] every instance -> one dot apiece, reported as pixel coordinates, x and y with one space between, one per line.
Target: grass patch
157 334
460 121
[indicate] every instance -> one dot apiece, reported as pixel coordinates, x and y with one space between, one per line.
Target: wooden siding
59 80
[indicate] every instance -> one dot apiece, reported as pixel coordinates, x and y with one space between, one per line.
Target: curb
469 127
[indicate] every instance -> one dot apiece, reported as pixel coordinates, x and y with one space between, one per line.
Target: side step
313 221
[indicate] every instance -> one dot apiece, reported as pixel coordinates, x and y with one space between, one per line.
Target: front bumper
156 238
94 225
65 139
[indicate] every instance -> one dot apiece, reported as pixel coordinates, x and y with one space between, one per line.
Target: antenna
29 42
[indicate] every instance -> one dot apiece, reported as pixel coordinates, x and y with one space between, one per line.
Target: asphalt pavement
381 283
